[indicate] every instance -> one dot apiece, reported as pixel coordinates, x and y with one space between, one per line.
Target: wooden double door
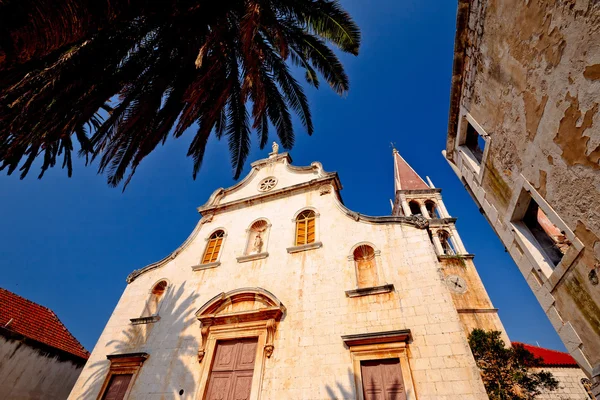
232 370
382 379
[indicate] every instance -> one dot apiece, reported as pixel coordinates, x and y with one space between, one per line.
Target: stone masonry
313 286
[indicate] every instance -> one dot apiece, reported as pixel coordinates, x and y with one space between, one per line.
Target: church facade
281 292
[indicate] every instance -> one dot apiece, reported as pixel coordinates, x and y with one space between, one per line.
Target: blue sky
69 243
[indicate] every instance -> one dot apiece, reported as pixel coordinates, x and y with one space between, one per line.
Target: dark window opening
549 237
475 143
446 242
415 209
432 209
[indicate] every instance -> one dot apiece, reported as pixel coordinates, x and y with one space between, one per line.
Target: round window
267 184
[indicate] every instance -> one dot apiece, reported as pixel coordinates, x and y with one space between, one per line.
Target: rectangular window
535 233
382 379
475 143
550 239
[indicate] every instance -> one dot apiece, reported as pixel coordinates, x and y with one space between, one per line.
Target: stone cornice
420 191
213 207
441 221
214 200
402 335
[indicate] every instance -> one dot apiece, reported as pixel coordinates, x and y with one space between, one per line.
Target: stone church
281 292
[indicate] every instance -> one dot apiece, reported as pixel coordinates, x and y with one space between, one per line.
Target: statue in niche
258 243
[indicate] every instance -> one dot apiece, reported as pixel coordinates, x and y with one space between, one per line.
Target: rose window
267 184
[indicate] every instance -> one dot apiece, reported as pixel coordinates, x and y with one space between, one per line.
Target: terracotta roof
38 323
552 358
405 178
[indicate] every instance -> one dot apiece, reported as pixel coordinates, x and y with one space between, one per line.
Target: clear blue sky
69 243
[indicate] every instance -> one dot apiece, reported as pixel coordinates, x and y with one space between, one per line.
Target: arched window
366 268
305 227
213 247
156 295
432 209
257 237
446 242
415 208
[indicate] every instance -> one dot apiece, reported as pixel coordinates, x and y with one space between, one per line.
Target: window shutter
117 387
213 247
301 232
310 231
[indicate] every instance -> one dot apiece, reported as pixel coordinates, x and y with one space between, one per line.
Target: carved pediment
239 306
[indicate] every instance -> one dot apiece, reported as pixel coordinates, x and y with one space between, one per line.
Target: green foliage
507 373
121 75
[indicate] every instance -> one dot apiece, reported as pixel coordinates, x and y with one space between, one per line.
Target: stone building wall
27 373
527 79
309 360
569 385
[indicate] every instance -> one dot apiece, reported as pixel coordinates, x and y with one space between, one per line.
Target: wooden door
382 380
117 387
232 370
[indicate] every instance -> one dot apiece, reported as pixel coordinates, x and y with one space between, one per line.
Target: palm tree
120 90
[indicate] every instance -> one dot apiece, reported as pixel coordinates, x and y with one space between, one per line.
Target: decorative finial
275 147
393 146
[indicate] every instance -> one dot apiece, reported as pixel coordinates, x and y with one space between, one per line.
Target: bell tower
415 197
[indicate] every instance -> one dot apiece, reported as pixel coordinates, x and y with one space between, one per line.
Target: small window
256 237
432 209
211 254
475 143
366 268
446 242
415 208
305 228
551 240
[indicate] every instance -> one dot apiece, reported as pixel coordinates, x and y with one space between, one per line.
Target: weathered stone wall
27 373
531 81
309 360
474 305
569 385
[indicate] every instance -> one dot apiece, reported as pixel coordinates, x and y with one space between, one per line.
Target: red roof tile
552 358
38 323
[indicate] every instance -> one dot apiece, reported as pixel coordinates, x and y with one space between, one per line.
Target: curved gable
278 172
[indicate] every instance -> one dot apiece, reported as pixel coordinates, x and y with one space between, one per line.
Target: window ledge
206 266
361 339
304 247
370 290
252 257
145 320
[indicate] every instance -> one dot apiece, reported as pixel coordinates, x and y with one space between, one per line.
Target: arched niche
245 312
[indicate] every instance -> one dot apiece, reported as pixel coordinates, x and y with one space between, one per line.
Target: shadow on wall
342 391
166 371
